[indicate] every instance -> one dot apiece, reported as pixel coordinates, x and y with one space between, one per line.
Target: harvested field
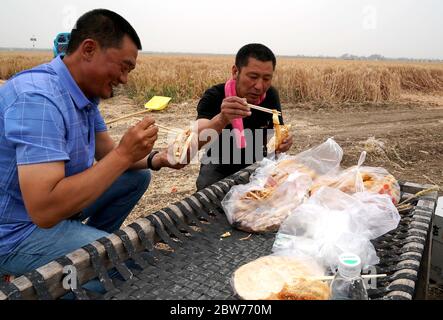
298 80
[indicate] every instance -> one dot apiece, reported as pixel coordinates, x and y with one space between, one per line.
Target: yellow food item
302 289
281 132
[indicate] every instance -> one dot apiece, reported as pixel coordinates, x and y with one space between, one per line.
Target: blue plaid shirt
44 117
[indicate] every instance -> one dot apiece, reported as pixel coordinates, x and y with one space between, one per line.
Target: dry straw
298 80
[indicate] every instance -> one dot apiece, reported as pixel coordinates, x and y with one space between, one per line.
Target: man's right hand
138 141
233 108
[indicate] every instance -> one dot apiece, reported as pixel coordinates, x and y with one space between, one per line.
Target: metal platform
179 253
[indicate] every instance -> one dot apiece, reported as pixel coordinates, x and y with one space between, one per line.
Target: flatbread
279 277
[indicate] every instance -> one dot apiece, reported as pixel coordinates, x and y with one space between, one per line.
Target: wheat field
298 80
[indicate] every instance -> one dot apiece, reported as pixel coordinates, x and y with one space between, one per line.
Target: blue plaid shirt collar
80 100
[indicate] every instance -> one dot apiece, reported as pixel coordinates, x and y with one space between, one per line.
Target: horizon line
342 57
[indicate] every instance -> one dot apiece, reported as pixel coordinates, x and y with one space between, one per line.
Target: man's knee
143 178
139 179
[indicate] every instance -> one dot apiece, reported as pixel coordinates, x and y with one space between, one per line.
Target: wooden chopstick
252 106
128 116
167 129
326 278
139 113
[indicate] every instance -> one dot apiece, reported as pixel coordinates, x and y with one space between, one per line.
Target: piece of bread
302 289
181 145
279 277
281 132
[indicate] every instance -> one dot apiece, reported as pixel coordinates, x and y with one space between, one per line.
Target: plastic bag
361 178
280 277
276 172
322 159
260 207
277 187
332 222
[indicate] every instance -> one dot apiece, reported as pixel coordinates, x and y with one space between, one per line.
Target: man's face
110 67
254 79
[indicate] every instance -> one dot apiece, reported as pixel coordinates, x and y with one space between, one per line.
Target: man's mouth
254 96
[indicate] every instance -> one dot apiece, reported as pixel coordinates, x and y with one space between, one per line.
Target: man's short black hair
104 26
256 51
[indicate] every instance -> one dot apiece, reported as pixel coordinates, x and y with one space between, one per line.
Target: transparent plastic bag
275 172
259 207
278 186
280 277
322 159
332 222
361 178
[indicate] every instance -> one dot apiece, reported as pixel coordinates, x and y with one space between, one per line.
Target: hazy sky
393 28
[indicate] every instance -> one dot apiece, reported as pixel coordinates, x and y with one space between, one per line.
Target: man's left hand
285 145
160 160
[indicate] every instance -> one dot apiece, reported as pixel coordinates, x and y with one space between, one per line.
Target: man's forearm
75 193
216 123
140 165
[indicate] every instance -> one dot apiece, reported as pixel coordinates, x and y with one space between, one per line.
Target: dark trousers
211 173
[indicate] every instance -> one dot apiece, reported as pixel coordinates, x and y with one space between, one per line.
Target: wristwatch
150 157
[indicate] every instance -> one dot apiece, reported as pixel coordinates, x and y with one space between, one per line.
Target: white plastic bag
361 178
332 222
324 158
278 186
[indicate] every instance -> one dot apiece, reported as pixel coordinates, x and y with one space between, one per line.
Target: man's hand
138 141
285 145
233 108
160 160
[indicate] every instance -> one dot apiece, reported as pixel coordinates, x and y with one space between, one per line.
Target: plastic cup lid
349 264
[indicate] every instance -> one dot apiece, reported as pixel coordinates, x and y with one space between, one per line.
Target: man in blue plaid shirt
51 133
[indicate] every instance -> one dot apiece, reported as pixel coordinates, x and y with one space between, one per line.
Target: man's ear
88 49
235 72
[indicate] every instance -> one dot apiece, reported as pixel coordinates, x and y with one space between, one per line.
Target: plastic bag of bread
319 160
275 172
279 277
260 206
331 222
361 178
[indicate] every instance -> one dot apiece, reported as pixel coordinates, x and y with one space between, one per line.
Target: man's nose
259 85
